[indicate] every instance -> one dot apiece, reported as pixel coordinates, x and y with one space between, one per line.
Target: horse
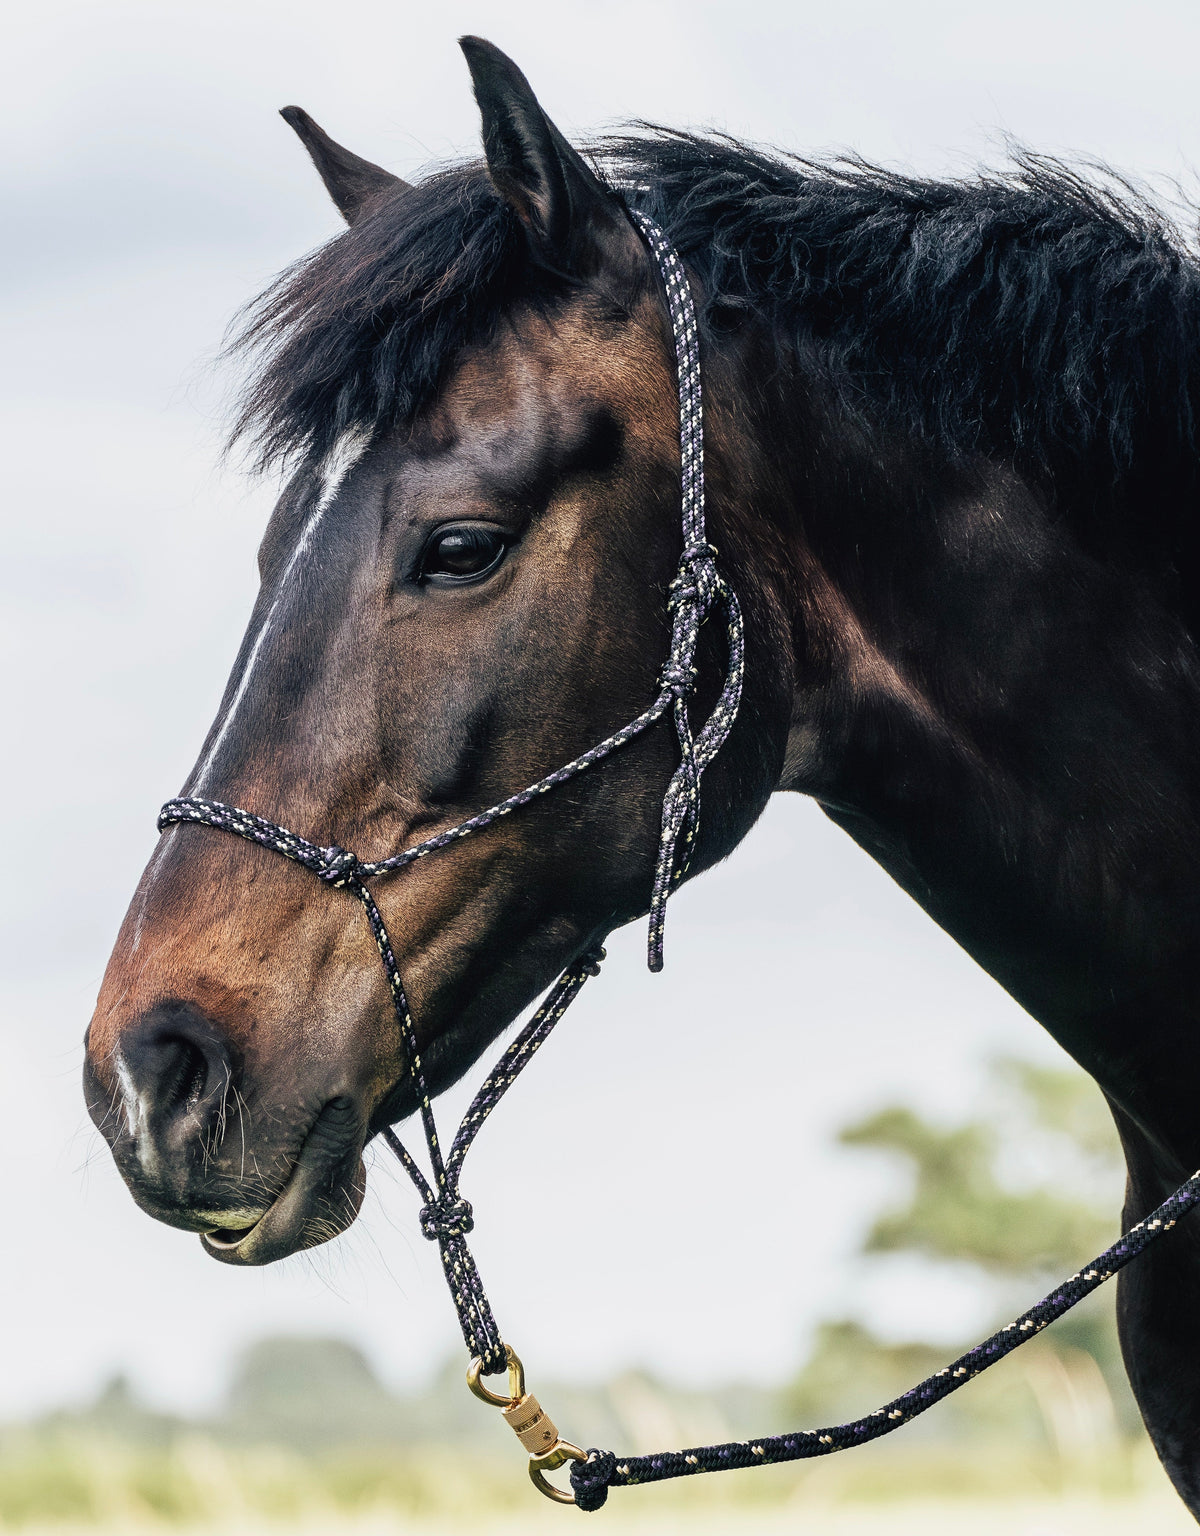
953 479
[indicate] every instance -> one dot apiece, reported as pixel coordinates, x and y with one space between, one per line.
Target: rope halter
696 590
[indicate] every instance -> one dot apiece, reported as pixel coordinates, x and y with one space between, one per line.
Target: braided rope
697 588
446 1216
593 1478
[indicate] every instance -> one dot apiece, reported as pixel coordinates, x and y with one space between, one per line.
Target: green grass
86 1482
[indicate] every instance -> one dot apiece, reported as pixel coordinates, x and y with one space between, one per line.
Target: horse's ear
574 222
354 184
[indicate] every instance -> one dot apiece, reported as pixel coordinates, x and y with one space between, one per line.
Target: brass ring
561 1451
516 1381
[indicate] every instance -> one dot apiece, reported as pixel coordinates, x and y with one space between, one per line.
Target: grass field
98 1489
1157 1514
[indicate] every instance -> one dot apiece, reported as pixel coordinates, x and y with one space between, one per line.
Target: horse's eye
462 552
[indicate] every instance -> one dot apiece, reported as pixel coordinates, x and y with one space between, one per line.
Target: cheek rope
697 590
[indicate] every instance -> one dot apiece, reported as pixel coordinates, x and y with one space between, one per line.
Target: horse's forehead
540 367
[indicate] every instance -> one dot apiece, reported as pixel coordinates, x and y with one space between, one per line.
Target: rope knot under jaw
449 1218
340 866
590 1479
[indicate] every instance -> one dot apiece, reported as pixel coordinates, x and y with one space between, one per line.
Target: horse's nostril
185 1084
173 1061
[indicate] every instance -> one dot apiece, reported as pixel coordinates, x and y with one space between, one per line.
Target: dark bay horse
953 478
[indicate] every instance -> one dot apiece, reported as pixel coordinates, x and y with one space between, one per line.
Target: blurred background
895 1159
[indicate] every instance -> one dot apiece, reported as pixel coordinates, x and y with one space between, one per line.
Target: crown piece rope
697 590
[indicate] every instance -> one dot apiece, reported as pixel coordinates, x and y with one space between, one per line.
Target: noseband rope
698 589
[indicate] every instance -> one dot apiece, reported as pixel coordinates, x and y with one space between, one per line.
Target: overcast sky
149 190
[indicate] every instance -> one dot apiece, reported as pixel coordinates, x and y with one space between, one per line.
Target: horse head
464 585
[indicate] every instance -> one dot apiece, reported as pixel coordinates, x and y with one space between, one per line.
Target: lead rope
591 1479
446 1217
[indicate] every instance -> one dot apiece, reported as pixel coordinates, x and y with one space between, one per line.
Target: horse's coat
953 476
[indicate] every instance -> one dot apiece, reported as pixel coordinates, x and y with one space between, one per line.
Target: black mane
1036 314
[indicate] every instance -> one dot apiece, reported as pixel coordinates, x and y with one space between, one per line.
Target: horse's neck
1012 730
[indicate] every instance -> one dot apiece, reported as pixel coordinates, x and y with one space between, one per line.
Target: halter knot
697 580
677 679
447 1218
339 866
590 1479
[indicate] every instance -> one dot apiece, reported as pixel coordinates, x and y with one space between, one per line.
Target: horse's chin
319 1200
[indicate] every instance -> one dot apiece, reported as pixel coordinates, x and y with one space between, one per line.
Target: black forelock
359 335
1040 313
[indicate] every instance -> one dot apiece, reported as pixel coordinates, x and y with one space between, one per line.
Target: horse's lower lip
327 1173
227 1237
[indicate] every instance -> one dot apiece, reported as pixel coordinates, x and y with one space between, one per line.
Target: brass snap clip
533 1426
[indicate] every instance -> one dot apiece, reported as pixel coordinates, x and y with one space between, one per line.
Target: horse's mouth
319 1199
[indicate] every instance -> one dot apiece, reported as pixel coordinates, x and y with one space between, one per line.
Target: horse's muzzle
320 1198
200 1149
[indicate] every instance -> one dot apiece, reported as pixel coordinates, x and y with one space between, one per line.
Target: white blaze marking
334 470
340 462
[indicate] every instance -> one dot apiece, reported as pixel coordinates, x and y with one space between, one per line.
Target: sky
150 190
